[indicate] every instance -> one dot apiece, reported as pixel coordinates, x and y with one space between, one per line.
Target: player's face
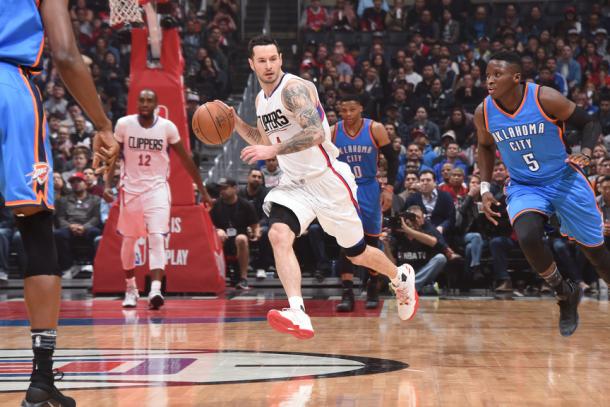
351 111
266 63
501 78
147 103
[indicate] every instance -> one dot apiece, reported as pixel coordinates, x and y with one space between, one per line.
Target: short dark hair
352 97
261 40
605 178
509 57
428 172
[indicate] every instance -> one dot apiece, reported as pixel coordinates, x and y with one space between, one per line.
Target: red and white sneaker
406 294
291 321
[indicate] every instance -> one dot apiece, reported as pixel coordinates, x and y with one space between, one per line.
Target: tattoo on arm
297 99
253 134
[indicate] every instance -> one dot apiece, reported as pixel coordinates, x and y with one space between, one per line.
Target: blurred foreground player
26 177
145 198
292 126
360 141
526 123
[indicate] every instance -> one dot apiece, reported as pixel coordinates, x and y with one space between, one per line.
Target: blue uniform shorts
26 175
369 200
570 196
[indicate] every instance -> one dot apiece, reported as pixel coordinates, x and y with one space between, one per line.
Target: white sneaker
261 274
407 299
291 321
155 300
131 298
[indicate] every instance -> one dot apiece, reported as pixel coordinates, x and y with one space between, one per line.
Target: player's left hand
386 199
252 154
579 159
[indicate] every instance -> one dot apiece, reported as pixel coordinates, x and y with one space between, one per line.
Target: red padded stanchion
195 261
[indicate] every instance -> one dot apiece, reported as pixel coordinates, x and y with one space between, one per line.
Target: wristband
485 186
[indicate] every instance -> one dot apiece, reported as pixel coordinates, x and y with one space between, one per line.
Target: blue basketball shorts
369 200
570 197
26 175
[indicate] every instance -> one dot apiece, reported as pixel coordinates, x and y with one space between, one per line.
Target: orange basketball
212 123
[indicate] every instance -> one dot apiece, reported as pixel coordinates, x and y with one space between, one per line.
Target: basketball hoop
125 11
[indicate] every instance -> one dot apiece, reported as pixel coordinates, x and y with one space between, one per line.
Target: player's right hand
490 202
105 151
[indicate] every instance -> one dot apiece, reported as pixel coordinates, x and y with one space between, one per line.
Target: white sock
296 303
155 285
131 283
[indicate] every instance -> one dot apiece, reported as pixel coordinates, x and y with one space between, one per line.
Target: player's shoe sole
286 326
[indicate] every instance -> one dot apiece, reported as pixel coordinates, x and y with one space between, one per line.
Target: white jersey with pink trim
145 152
280 125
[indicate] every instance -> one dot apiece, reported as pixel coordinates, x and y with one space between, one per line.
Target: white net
125 11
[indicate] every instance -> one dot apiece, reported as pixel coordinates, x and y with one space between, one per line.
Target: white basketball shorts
141 214
330 197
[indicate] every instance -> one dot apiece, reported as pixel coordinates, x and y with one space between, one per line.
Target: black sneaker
347 301
372 293
45 394
569 296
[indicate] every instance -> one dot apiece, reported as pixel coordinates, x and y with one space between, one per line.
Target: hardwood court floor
458 352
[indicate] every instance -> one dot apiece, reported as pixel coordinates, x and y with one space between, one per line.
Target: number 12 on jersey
144 160
531 162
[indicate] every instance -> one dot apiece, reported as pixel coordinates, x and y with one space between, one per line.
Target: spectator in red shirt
315 17
455 187
373 18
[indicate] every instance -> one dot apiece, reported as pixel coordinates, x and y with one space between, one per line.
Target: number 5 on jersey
531 162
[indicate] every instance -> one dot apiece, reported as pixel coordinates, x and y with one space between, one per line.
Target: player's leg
156 260
346 269
26 183
131 226
243 259
156 206
372 285
128 261
529 227
599 257
285 225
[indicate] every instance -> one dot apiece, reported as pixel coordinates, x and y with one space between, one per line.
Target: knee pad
128 253
530 230
39 244
156 251
372 241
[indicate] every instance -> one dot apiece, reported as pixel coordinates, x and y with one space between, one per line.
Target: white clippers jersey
281 125
145 152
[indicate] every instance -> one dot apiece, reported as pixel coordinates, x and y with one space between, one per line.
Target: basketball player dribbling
145 199
26 176
360 141
292 126
525 122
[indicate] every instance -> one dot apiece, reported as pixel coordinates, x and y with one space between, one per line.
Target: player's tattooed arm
298 100
252 135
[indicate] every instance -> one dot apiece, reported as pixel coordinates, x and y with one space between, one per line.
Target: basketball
212 123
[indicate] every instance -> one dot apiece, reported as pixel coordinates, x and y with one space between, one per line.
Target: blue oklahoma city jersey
361 153
540 180
26 176
21 32
529 142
